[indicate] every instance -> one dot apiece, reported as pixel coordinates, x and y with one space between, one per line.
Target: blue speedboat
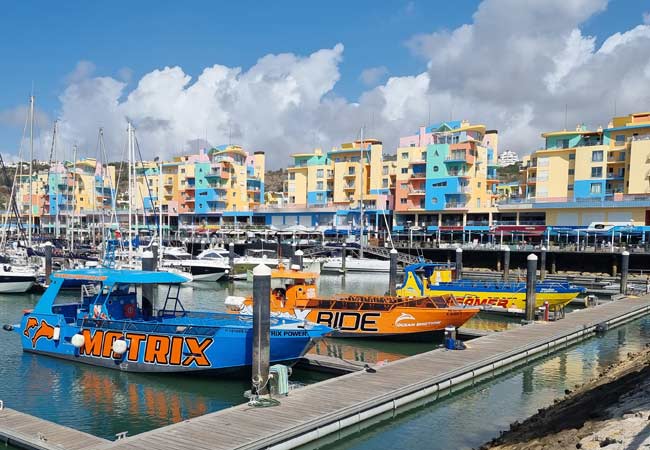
114 325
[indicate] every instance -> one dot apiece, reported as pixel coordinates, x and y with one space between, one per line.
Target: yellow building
583 176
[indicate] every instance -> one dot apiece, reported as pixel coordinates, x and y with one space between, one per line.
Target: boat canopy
113 276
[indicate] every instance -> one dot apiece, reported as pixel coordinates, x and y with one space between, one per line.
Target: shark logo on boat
44 330
301 314
402 317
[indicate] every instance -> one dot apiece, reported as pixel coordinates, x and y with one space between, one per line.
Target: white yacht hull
358 265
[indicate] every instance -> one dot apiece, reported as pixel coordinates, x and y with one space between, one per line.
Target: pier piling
343 257
531 286
459 263
148 263
261 329
506 263
154 251
231 257
48 261
392 278
298 259
553 264
542 264
614 266
625 268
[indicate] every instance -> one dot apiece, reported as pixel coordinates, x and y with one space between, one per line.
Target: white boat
16 279
358 265
201 269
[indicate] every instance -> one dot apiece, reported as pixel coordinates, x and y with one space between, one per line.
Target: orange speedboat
358 315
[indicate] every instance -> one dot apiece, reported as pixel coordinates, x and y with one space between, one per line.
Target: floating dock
29 432
331 408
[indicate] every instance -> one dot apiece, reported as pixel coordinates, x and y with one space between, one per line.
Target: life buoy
129 310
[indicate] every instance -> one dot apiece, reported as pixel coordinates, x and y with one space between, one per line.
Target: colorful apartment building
446 176
337 182
583 176
65 190
207 189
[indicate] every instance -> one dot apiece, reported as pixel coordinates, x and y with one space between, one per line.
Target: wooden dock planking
324 404
24 431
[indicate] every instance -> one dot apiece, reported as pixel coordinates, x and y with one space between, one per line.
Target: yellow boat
425 279
359 315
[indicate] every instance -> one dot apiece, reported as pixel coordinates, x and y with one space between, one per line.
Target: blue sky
41 42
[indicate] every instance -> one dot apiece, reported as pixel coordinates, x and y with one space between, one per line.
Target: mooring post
231 257
459 263
542 264
625 268
614 266
506 263
343 257
298 259
154 251
553 263
531 286
392 277
48 261
261 329
148 264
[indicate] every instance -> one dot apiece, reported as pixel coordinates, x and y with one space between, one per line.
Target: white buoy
77 340
119 346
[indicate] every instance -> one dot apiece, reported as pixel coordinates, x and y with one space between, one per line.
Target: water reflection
471 417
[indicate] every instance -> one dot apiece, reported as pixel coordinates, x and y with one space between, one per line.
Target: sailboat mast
130 151
363 166
31 159
160 214
74 196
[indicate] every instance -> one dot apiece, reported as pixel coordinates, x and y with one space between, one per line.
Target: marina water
104 402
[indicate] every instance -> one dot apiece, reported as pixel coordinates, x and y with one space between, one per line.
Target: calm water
104 402
468 419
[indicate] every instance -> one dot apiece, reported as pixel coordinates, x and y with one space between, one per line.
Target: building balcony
418 176
214 174
531 180
464 190
416 192
349 175
456 205
459 174
417 162
349 187
459 157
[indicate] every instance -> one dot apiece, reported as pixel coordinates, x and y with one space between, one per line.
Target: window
478 184
402 201
423 156
562 143
405 155
621 156
597 155
572 171
596 172
569 187
478 202
319 185
319 173
404 186
384 170
439 184
384 183
405 170
595 188
319 197
620 139
435 168
350 170
292 175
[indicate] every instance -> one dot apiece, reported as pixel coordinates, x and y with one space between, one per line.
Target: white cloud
514 68
83 70
646 18
373 75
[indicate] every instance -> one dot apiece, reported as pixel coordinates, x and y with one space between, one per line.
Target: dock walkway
29 432
331 406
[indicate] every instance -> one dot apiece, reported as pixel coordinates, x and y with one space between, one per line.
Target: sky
289 76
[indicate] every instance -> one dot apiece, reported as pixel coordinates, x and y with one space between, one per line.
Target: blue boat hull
228 349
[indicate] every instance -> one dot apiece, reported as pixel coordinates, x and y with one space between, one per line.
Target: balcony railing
455 205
